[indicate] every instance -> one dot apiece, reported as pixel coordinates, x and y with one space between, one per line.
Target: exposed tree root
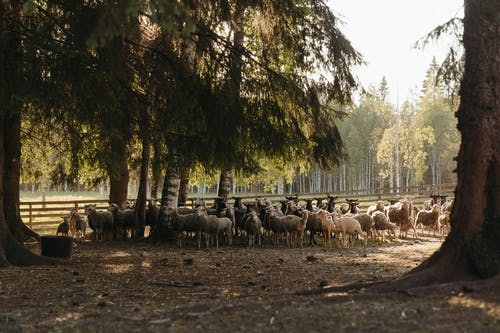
446 266
355 287
23 233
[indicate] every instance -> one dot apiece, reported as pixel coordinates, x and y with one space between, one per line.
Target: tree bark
184 187
118 180
225 184
12 133
170 193
11 251
140 204
156 171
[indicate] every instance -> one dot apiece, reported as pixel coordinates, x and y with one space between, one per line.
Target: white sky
385 31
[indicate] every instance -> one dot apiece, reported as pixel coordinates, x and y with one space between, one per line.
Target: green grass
55 196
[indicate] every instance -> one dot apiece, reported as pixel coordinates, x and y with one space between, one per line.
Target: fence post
31 216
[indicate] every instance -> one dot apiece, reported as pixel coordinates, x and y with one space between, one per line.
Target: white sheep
253 227
294 227
182 223
102 221
348 227
382 224
276 224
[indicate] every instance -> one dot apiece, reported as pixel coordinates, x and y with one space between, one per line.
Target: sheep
378 206
224 226
415 210
367 223
399 213
330 206
353 203
181 223
199 202
211 225
276 222
79 223
327 225
252 227
123 221
102 221
183 210
152 214
319 203
444 222
348 226
314 225
283 205
294 227
429 218
239 219
292 208
434 199
382 224
447 206
309 205
344 208
63 227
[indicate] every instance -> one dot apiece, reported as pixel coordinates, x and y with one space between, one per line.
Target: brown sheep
399 213
429 218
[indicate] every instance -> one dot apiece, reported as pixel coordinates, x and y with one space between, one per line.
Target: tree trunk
156 171
140 204
472 249
171 184
184 187
11 251
225 184
118 181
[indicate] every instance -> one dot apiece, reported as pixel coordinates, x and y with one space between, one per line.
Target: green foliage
450 72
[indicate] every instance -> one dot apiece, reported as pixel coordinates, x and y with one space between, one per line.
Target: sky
385 31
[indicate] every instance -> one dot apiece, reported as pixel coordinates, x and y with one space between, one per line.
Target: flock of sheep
284 222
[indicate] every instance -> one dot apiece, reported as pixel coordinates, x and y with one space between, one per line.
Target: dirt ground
141 287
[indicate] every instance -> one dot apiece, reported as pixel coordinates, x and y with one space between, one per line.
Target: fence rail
44 216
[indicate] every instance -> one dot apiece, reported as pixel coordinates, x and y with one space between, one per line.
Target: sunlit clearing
119 254
119 268
68 316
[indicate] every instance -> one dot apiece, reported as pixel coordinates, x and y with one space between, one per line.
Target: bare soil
142 287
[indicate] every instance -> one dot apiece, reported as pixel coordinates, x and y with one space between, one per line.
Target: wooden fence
44 216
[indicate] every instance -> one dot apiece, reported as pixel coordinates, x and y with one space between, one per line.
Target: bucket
56 246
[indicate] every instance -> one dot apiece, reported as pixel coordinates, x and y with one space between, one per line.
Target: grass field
55 196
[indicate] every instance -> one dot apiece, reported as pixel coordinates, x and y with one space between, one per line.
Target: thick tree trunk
12 144
118 173
10 49
11 251
472 249
225 184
